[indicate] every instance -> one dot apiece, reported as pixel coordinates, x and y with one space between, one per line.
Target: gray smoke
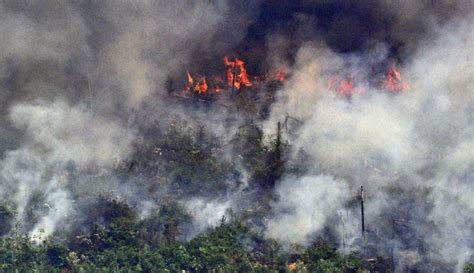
57 134
304 207
74 77
419 143
80 80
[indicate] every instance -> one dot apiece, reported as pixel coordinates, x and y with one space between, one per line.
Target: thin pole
234 76
362 209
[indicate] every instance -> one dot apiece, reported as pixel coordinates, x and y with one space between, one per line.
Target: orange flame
343 87
190 79
236 77
201 86
346 88
393 80
190 83
236 73
243 76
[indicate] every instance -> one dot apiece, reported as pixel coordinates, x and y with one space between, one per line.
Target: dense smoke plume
73 76
419 143
83 84
302 210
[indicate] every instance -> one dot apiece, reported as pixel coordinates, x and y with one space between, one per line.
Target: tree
7 215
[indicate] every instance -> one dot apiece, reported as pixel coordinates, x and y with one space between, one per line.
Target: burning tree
393 80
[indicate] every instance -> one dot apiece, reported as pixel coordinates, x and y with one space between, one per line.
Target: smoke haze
83 84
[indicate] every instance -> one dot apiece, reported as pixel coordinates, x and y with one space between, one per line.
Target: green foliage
122 232
57 255
261 157
108 209
121 247
191 158
166 225
124 258
322 257
18 252
185 161
220 249
469 268
175 257
6 219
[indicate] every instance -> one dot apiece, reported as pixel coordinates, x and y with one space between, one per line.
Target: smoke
75 79
304 206
57 134
71 133
418 143
82 84
37 51
207 213
153 42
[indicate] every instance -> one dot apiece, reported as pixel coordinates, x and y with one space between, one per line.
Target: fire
236 73
201 86
343 87
190 79
393 80
279 75
236 77
190 83
346 88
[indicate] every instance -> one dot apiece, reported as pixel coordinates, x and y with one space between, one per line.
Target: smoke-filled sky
79 80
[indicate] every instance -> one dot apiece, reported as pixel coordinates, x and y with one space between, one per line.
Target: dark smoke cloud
350 26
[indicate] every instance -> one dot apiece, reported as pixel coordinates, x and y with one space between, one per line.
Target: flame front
236 73
200 87
393 80
237 77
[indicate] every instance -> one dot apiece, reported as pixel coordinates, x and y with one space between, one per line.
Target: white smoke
207 213
57 135
304 205
73 77
420 140
118 57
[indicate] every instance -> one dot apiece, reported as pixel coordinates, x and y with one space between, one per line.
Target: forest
110 235
236 136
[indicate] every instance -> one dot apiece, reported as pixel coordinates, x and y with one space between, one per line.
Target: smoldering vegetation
97 139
